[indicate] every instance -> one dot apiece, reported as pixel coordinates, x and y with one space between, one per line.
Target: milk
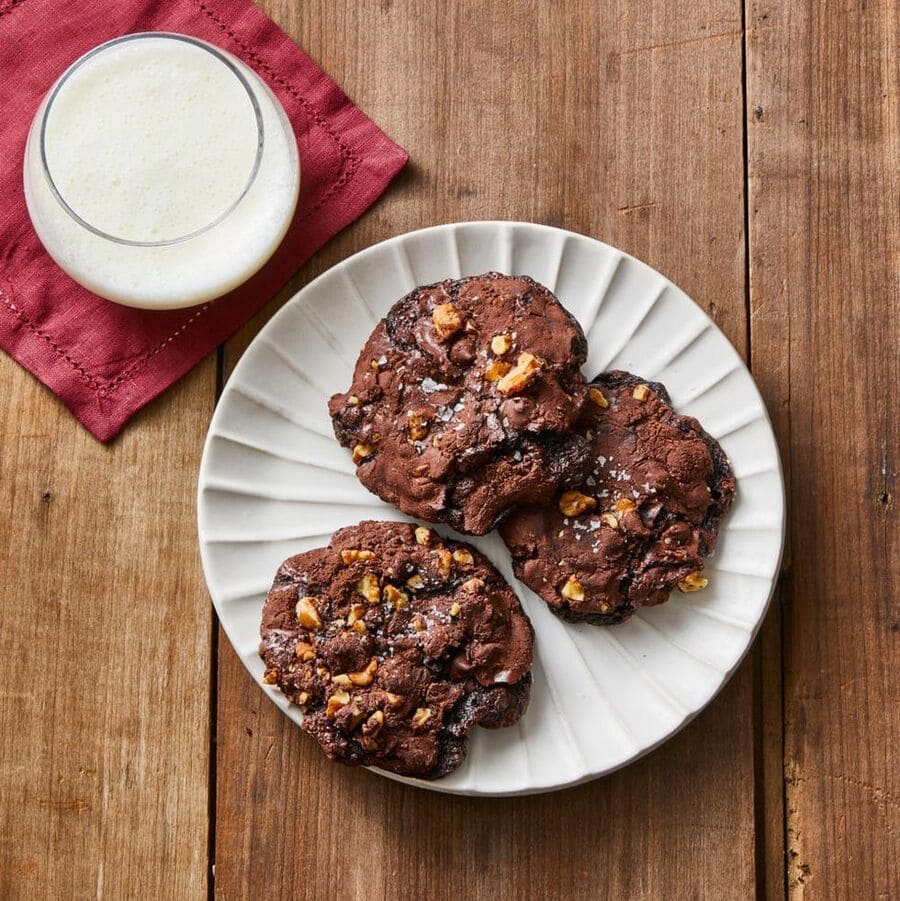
160 172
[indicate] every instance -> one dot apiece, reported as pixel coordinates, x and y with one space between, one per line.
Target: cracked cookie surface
396 642
462 401
641 521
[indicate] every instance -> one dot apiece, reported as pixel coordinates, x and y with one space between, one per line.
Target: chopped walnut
338 700
500 344
461 555
419 624
610 520
641 392
367 586
302 698
395 597
362 452
572 590
351 555
416 427
598 397
341 679
693 582
366 676
624 505
454 609
473 584
355 718
415 582
526 370
421 716
304 651
421 469
270 677
574 503
444 562
496 370
359 627
353 400
423 535
446 319
393 700
357 612
307 615
374 723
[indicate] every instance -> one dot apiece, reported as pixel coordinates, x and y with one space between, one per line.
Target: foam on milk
152 139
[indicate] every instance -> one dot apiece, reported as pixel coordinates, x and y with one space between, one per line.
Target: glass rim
138 35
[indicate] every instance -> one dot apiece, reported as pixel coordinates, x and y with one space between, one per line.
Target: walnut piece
395 597
624 505
641 392
374 723
416 427
415 582
304 651
461 555
444 562
307 615
610 520
574 503
500 344
366 676
446 319
367 586
693 582
572 590
351 555
454 609
526 370
361 452
423 535
421 716
597 396
496 370
473 585
338 700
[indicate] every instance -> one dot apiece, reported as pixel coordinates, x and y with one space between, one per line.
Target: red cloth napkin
106 361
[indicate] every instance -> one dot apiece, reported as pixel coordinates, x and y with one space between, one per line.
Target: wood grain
620 120
104 674
824 191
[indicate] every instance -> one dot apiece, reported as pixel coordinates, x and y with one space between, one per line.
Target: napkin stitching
349 171
88 379
92 381
12 5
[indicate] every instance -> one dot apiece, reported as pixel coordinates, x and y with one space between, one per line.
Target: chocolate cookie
640 523
463 399
396 642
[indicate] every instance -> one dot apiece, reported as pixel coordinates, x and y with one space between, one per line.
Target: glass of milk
160 171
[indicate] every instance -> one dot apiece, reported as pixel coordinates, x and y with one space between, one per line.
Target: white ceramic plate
274 482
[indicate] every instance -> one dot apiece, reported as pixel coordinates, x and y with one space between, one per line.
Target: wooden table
752 154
